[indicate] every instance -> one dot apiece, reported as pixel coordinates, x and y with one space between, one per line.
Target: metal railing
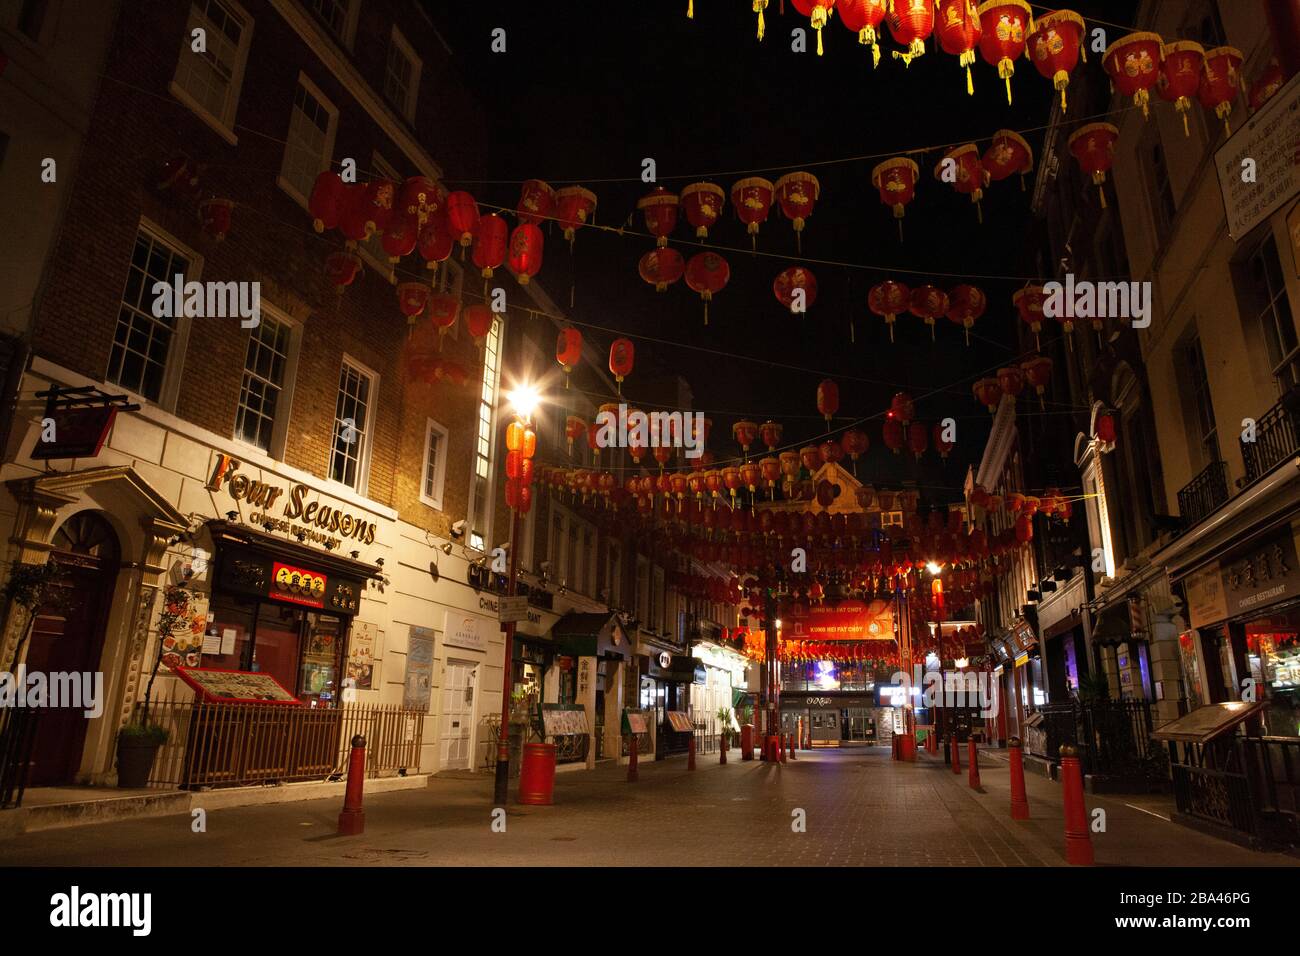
233 744
1114 736
1250 784
17 735
1275 439
1203 495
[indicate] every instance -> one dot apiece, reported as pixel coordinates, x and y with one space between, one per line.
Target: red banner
846 621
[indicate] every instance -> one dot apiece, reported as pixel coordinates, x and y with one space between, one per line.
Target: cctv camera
458 529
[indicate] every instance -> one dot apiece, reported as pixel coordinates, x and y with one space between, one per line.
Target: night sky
585 91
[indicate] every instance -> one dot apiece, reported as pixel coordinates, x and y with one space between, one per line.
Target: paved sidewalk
860 808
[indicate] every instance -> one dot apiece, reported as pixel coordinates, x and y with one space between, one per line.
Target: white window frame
434 501
178 347
480 526
398 43
363 461
223 125
349 36
280 428
331 130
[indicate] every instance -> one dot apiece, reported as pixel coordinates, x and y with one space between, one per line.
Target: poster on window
419 670
183 647
361 655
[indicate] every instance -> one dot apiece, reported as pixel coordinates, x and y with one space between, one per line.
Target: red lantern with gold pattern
788 286
1038 371
702 203
574 207
434 240
660 210
818 13
1008 154
1055 44
707 273
963 169
443 310
326 203
910 23
621 357
401 238
918 438
420 198
771 434
832 452
381 201
864 17
478 322
828 399
215 216
1133 64
526 244
1093 146
412 299
770 469
855 443
959 33
1005 26
1220 82
896 180
661 267
887 299
462 213
797 194
342 269
568 351
1012 380
1180 76
536 202
941 443
928 303
490 241
574 429
989 393
352 215
1029 304
744 432
966 303
752 199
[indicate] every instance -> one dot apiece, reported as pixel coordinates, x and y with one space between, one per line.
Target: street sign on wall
1257 167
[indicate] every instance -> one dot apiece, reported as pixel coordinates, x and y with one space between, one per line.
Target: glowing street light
933 568
524 400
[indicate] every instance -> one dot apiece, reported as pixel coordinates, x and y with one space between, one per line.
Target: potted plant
724 721
26 590
140 740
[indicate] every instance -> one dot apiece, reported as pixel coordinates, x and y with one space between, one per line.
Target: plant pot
134 761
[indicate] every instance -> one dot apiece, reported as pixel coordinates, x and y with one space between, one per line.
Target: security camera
458 529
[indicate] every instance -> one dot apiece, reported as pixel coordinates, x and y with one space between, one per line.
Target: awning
590 635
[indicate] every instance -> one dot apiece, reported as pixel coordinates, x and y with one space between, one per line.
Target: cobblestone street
862 809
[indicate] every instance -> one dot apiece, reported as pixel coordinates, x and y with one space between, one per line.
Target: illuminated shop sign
294 584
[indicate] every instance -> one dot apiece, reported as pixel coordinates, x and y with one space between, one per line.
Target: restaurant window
339 16
891 519
480 511
353 413
309 143
435 464
263 409
209 81
1205 430
1266 287
402 75
143 344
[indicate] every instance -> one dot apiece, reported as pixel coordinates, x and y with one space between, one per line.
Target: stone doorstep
106 809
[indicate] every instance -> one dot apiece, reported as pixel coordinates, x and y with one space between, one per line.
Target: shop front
717 703
667 678
593 654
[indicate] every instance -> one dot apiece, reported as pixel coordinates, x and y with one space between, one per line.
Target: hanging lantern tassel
690 9
758 8
966 59
1005 69
1099 179
706 295
1061 81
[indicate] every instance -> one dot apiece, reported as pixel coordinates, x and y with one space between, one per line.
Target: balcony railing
1275 438
1201 496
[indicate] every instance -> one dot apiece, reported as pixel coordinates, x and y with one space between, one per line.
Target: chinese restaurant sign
297 585
846 621
1265 573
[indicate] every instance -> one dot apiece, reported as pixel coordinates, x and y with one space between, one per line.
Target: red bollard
690 753
747 742
956 753
973 753
537 775
352 821
785 748
793 749
1078 845
722 750
1019 802
631 759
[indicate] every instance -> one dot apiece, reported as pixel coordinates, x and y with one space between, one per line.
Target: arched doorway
68 637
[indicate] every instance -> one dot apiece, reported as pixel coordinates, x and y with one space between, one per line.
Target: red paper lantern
855 443
702 203
1265 85
1005 24
1024 529
818 12
892 433
412 299
462 213
887 300
621 355
744 432
1220 82
1093 146
896 180
962 167
797 194
526 244
327 198
380 201
214 215
828 399
574 205
1055 45
1133 64
1181 66
928 303
660 211
989 392
434 240
536 202
1009 153
420 198
959 33
966 303
443 310
478 320
771 434
1011 380
568 351
918 438
707 273
1038 371
352 215
342 269
490 244
1105 428
752 199
864 17
902 407
1029 304
661 267
941 444
910 23
786 286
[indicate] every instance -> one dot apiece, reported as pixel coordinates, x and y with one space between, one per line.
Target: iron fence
17 734
1203 495
1113 736
1275 438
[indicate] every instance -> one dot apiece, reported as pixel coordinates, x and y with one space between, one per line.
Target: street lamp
521 445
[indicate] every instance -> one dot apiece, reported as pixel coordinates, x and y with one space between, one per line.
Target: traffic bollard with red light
631 759
1019 802
973 755
352 821
690 752
1078 845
